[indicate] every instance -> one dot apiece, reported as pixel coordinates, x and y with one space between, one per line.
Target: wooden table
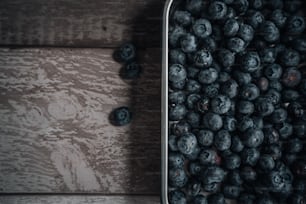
58 84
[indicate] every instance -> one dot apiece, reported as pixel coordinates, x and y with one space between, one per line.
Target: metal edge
164 106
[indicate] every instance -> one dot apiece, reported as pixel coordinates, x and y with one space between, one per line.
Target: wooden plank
81 199
80 23
55 135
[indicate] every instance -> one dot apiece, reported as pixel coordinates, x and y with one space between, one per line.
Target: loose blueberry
226 58
121 116
273 96
195 168
126 53
131 70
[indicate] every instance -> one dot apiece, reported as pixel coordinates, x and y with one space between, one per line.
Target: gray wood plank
55 135
81 199
80 23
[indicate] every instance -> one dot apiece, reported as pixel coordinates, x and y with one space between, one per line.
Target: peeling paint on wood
55 136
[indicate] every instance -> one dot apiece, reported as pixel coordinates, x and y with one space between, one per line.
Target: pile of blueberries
237 98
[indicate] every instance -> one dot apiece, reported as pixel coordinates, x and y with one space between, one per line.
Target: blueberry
276 85
231 192
193 119
290 95
245 123
232 161
202 59
208 157
176 56
246 107
234 178
263 84
299 44
177 73
250 156
242 78
172 139
212 90
241 6
231 13
279 18
180 128
208 76
255 18
221 104
212 121
275 181
298 199
192 100
265 200
249 92
205 137
177 112
188 43
266 162
183 18
186 143
177 97
192 72
296 109
264 107
273 96
271 134
294 145
209 44
269 31
229 123
177 178
175 33
290 57
203 105
230 88
193 187
194 6
268 55
285 130
258 122
194 154
177 197
125 53
256 4
226 58
248 173
176 160
212 174
199 199
202 28
291 77
222 140
274 150
299 186
236 144
211 188
250 62
295 25
273 71
236 44
231 27
195 168
246 198
192 86
217 10
279 115
246 32
131 70
121 116
179 85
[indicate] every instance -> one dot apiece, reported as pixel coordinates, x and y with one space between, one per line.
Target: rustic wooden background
58 84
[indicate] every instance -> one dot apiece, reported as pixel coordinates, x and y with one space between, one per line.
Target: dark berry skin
177 178
303 87
202 28
285 130
126 53
241 6
121 116
192 72
279 115
212 174
273 96
299 169
246 107
222 140
250 62
205 137
246 199
236 144
194 154
299 186
176 160
188 43
267 55
175 33
208 76
192 86
271 135
180 128
199 199
248 174
177 112
265 200
269 31
193 119
211 90
232 161
229 123
179 85
231 192
194 6
177 97
250 156
295 109
217 10
176 56
183 18
242 78
203 105
226 58
187 143
210 44
274 150
193 187
246 32
131 70
192 100
273 71
249 92
291 77
233 178
202 59
258 122
296 25
211 188
195 168
245 123
279 18
177 197
294 145
217 198
263 84
264 107
177 73
297 199
220 104
172 139
236 44
299 44
230 88
255 18
276 85
266 162
231 27
290 58
208 157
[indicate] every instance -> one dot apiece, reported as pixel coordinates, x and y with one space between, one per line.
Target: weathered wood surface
81 199
55 136
80 23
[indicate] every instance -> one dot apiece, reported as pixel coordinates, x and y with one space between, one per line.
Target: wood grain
55 136
80 23
81 199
